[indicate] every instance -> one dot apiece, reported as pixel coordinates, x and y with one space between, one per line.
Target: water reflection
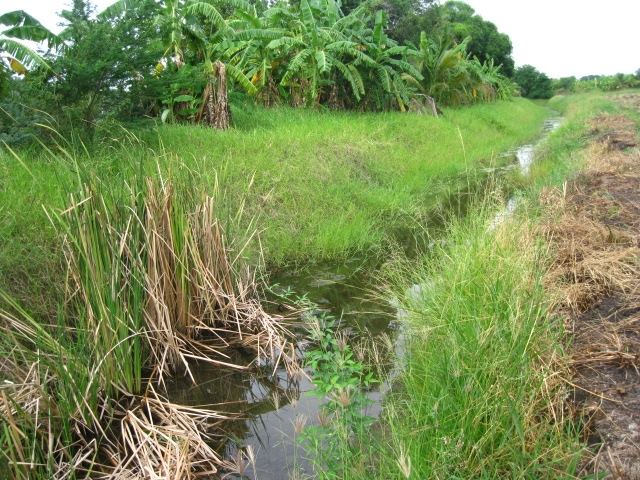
270 406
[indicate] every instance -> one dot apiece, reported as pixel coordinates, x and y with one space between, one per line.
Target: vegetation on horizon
604 83
179 60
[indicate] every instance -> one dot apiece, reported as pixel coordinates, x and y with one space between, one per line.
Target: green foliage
16 55
342 381
452 22
453 78
532 83
134 59
476 399
563 85
603 83
324 185
487 44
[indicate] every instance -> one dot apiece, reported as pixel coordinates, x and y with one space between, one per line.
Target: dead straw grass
162 440
153 286
200 300
593 226
596 248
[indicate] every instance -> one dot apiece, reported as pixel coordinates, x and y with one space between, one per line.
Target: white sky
559 37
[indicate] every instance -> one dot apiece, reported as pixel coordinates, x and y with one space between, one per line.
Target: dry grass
615 131
200 301
176 268
153 286
629 100
593 226
591 260
158 439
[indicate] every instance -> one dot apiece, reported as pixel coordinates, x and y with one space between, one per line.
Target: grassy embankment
325 185
143 261
482 391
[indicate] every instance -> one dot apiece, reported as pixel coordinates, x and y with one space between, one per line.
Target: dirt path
594 227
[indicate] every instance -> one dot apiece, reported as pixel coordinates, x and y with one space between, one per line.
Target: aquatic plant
342 382
153 285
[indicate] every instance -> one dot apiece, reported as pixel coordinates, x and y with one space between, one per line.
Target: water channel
271 406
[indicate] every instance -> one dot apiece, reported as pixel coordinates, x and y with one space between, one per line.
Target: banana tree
197 33
317 50
391 71
22 26
250 53
213 38
489 83
444 69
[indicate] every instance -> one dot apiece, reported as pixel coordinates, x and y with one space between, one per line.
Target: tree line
188 60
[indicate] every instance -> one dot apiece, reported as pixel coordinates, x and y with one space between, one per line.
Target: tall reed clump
153 285
481 392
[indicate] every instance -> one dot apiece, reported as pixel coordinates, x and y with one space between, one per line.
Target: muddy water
271 407
525 156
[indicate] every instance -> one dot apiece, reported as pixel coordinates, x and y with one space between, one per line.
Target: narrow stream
271 406
525 156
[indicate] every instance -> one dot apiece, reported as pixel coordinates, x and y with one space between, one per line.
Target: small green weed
342 381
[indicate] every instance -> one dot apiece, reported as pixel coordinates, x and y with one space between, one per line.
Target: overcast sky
559 37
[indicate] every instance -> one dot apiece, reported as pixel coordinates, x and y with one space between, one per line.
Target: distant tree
532 83
564 84
487 43
455 21
104 65
421 16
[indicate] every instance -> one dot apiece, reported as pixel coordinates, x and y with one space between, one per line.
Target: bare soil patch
594 227
629 100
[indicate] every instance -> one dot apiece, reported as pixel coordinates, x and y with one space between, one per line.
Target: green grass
323 185
478 393
329 184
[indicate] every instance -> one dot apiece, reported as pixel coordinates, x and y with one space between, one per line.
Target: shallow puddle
271 407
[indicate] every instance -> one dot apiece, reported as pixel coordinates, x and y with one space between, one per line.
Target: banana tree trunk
215 103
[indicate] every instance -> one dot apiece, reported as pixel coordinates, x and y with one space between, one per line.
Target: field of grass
481 392
320 185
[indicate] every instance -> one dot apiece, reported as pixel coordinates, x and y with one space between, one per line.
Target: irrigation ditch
273 408
178 360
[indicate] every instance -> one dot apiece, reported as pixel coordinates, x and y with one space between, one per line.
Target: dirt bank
594 228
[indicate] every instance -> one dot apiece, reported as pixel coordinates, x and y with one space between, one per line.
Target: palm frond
321 61
296 65
209 12
23 26
383 77
285 42
378 28
260 34
242 80
26 56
